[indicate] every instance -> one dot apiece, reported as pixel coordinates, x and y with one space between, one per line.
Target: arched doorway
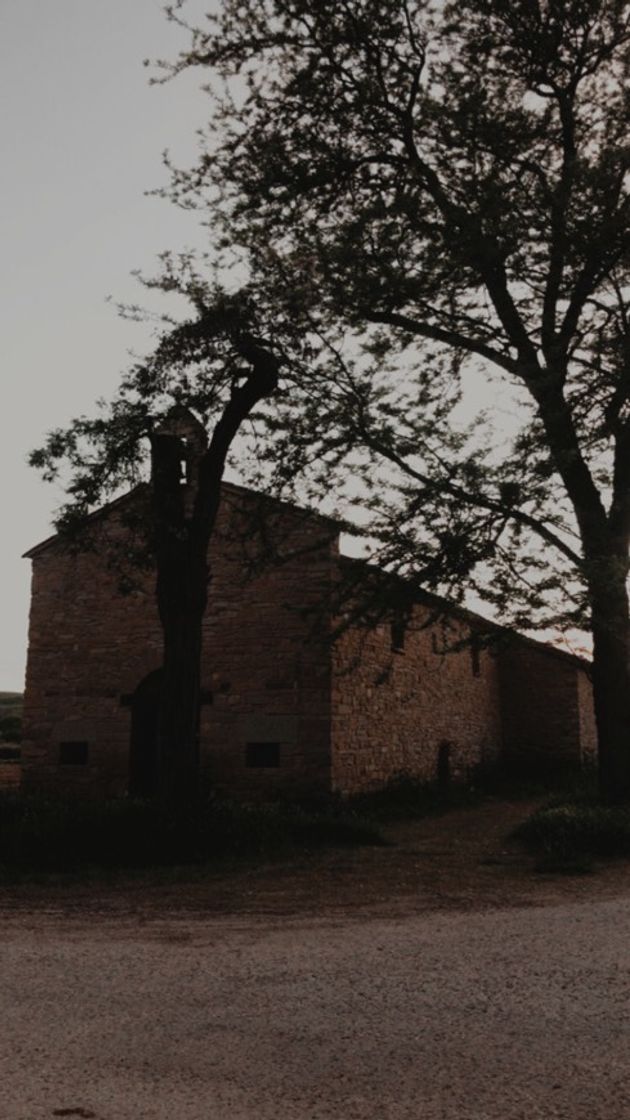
143 743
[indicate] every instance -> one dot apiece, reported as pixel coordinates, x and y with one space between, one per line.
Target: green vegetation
44 835
456 223
10 729
568 833
10 717
426 205
50 835
407 798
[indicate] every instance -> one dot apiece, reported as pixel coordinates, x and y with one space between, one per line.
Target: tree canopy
174 421
433 192
423 207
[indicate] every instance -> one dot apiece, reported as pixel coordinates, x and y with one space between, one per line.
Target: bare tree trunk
182 588
611 688
182 593
184 523
605 541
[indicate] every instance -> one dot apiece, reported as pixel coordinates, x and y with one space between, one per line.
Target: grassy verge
45 837
39 835
406 798
42 836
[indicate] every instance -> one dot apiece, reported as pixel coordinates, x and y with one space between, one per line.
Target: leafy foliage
196 365
423 210
563 834
426 192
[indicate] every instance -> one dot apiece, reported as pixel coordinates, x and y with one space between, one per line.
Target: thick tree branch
571 464
600 263
619 516
559 206
478 501
261 382
439 334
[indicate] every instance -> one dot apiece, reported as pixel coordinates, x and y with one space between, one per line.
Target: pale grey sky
81 138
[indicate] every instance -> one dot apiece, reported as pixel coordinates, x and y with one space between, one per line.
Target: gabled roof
143 488
99 513
443 606
476 621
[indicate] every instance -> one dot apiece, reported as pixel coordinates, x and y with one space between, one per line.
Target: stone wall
263 682
283 712
89 646
266 657
425 710
546 707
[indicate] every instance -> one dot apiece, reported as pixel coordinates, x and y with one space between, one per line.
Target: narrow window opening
74 753
444 766
184 463
440 638
398 634
262 755
475 657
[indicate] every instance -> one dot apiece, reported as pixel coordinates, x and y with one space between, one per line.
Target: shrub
46 834
10 729
566 832
407 798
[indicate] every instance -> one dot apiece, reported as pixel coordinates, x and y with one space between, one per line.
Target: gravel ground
497 1015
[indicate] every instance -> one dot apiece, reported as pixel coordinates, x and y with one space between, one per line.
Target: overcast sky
82 134
81 137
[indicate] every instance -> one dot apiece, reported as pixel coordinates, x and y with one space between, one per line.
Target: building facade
285 710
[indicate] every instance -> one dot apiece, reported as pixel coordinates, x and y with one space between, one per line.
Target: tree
430 191
194 382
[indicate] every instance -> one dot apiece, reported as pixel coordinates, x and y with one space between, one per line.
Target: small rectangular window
265 755
73 753
398 633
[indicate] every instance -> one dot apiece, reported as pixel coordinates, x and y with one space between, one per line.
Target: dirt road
438 980
522 1013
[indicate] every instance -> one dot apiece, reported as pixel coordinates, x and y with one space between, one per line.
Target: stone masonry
285 712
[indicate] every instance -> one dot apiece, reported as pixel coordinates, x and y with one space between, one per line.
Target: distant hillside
10 717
